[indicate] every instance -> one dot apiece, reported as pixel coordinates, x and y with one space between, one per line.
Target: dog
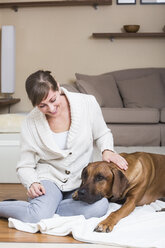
142 183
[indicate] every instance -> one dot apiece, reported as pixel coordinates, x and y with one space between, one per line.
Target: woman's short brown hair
38 85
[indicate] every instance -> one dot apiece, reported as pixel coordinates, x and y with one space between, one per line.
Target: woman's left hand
110 156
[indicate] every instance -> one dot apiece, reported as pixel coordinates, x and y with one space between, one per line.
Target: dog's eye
99 177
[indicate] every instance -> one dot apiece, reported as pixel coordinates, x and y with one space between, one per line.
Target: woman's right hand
35 190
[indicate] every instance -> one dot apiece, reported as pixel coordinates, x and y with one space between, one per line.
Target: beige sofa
132 102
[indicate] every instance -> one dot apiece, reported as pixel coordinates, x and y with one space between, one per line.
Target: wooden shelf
16 5
128 35
8 101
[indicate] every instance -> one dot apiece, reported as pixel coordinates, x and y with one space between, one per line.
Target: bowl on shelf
131 28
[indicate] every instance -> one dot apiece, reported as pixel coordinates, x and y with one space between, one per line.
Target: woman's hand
35 190
110 156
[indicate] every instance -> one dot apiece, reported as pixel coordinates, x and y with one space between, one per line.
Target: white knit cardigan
42 159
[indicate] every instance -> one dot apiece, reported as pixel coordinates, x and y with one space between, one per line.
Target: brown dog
142 183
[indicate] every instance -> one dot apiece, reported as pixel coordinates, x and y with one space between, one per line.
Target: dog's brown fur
142 183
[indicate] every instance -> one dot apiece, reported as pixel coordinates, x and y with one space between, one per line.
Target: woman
57 143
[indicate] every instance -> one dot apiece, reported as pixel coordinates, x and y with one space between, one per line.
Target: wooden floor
17 191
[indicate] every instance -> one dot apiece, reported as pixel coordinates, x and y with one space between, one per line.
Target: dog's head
101 179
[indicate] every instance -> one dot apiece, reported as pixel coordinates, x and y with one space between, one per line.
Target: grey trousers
54 201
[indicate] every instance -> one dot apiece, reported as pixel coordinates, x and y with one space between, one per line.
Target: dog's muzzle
82 194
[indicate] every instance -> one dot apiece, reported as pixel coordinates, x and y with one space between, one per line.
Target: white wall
59 39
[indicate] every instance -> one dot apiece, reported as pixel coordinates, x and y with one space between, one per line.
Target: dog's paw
75 195
104 227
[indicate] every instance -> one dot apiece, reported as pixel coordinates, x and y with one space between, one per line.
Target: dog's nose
81 192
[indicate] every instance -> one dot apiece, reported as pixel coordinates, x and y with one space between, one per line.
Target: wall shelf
16 5
8 101
128 35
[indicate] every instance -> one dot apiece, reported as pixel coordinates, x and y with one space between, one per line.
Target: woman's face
51 106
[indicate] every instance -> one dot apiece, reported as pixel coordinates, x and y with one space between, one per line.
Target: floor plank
17 191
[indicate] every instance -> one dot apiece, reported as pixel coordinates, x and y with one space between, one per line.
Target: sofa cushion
131 115
87 88
162 115
135 134
143 92
106 86
162 132
70 87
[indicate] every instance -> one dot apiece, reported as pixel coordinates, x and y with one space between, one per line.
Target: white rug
144 227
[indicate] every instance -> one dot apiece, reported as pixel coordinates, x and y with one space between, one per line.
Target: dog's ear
120 183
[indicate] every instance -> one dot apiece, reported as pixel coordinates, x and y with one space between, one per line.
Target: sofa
132 103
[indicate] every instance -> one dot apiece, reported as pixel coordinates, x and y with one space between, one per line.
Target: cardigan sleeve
101 133
27 163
